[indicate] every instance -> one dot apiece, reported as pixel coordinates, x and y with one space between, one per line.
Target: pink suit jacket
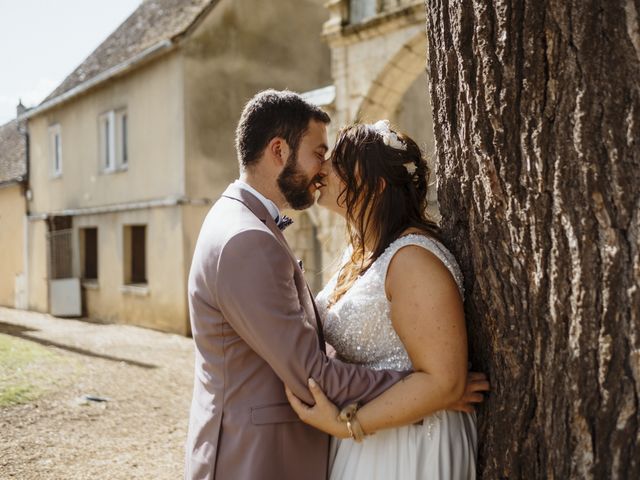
254 329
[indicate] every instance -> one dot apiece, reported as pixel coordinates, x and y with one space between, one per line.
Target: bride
395 303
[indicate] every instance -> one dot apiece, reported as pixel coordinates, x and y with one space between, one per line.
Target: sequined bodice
359 325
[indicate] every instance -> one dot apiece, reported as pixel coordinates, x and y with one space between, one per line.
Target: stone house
129 152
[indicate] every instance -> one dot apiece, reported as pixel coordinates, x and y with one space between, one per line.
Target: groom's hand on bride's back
477 384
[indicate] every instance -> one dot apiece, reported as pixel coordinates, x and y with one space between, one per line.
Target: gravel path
139 432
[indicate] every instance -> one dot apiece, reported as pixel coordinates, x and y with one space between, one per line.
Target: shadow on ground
20 331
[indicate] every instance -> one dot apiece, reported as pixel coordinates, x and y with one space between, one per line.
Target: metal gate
60 254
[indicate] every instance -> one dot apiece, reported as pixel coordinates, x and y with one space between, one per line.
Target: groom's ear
278 150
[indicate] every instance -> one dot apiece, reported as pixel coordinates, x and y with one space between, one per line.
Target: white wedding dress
359 327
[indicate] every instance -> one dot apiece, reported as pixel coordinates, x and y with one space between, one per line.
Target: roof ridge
153 22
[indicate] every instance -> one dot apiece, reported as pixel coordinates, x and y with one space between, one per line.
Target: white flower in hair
411 167
389 137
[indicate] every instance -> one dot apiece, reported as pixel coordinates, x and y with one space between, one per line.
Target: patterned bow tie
283 222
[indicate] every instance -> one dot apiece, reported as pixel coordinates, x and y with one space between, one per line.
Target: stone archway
379 69
379 51
395 79
378 64
375 57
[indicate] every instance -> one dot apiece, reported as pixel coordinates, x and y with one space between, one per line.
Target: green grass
17 394
25 370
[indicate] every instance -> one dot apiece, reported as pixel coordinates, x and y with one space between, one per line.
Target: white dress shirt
269 205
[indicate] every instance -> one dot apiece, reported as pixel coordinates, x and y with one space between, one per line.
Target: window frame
55 150
124 139
113 140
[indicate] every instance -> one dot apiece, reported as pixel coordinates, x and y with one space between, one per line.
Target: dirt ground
50 430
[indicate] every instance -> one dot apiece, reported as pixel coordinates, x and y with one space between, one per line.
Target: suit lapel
259 210
235 192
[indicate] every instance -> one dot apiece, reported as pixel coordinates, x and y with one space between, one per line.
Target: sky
43 41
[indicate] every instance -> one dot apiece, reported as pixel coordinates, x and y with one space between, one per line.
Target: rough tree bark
537 125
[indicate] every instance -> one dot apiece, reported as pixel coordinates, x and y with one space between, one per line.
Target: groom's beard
295 185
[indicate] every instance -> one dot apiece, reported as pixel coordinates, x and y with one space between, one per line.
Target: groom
253 318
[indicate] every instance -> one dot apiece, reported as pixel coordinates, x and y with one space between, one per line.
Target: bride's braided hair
383 195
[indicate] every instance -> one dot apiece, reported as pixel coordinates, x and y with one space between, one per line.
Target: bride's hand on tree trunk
477 383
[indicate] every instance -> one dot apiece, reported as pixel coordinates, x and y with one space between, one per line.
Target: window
89 253
135 254
123 136
55 150
114 140
361 10
107 157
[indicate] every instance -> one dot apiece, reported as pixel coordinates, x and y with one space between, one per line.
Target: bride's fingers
317 393
299 407
475 398
478 386
482 386
463 406
477 376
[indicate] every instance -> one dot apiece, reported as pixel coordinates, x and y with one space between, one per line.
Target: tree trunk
537 126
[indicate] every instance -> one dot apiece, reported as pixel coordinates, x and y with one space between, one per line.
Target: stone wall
378 69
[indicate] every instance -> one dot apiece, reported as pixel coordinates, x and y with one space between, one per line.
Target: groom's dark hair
274 113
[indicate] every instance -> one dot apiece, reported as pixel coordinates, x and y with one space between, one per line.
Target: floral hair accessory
389 137
411 167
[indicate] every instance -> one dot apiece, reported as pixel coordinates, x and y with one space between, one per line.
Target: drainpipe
26 189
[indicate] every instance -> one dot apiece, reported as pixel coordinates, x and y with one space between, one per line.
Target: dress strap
428 243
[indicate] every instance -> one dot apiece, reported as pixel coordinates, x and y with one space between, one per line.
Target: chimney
20 109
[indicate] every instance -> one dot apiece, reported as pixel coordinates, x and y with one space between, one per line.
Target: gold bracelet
348 416
358 432
351 434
